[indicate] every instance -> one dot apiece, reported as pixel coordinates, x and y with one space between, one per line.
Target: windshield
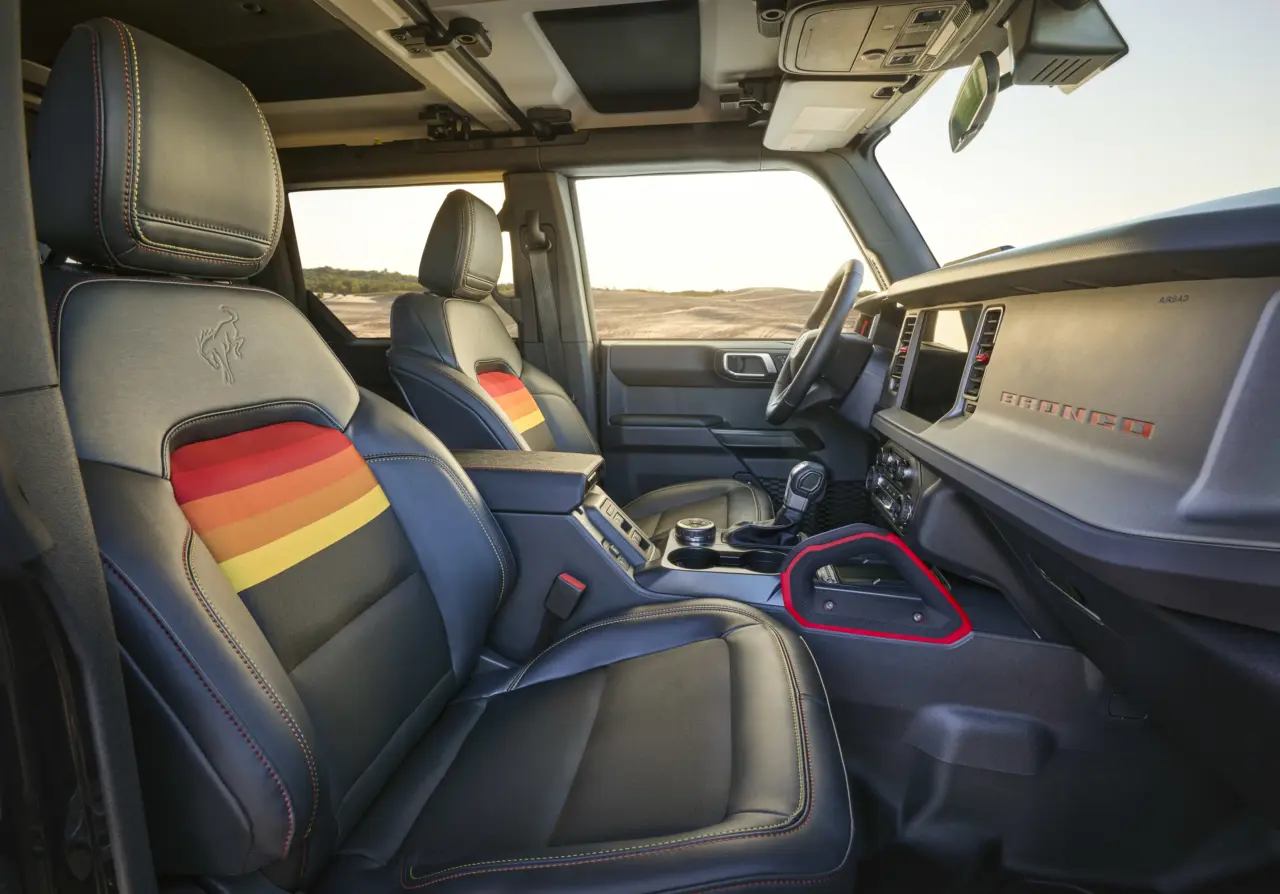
1190 115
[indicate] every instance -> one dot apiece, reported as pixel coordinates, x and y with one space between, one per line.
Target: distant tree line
339 281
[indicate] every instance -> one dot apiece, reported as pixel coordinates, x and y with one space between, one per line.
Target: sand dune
745 313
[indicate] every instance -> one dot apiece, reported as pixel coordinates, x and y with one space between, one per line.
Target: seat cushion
724 501
668 748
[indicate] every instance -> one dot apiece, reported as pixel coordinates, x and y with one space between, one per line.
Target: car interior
489 575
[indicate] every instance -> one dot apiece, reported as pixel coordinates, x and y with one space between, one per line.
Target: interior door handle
766 359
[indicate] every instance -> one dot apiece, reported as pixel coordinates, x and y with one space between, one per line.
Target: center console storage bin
531 480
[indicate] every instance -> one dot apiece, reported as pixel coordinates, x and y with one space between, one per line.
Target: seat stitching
156 217
182 652
803 759
133 166
636 617
253 669
97 140
457 249
457 482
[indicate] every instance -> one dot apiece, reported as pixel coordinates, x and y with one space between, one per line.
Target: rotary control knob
696 531
904 509
904 473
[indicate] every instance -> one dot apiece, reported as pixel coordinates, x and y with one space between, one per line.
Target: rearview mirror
975 100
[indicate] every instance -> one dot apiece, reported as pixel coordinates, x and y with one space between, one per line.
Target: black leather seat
302 576
463 377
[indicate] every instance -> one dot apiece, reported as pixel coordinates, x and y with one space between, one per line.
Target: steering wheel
813 346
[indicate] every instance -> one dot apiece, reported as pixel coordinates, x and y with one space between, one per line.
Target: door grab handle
771 368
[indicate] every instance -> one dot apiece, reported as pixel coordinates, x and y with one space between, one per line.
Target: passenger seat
301 576
463 377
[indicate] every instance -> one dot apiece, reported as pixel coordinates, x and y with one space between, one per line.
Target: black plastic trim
1174 574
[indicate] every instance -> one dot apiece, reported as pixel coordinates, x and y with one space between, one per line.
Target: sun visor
813 116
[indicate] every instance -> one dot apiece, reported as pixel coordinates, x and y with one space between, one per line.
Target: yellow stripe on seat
255 566
528 421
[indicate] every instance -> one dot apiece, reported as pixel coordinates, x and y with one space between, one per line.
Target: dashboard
1093 426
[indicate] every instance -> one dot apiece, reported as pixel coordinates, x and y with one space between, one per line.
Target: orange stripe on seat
232 506
516 405
228 541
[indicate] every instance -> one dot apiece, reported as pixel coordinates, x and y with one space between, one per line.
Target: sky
1191 114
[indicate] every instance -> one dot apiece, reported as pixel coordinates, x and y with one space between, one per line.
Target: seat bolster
460 548
567 425
217 720
630 634
453 406
725 501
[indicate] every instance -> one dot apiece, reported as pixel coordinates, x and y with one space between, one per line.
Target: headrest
463 256
147 158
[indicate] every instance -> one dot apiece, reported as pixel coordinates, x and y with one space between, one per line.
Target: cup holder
762 561
694 558
701 558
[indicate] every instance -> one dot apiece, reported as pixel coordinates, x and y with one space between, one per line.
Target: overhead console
876 38
845 62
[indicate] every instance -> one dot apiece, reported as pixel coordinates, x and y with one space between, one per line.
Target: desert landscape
627 313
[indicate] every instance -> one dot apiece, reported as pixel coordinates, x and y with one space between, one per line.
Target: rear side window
360 248
710 256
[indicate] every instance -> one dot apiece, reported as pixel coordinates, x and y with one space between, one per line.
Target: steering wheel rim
814 344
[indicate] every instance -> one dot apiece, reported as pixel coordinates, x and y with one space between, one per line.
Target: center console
582 557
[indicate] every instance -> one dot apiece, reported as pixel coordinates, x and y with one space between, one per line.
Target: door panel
672 411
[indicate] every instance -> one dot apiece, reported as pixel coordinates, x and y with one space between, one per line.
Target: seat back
300 575
452 357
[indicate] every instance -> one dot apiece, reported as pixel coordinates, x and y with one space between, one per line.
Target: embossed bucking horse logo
220 343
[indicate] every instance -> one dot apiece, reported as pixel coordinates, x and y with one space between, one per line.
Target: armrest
531 480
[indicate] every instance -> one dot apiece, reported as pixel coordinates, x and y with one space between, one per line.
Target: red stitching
960 633
808 761
737 886
270 693
288 804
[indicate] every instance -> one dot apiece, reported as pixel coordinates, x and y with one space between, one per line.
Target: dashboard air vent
986 343
900 352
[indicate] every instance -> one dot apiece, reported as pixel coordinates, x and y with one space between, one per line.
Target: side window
360 248
711 256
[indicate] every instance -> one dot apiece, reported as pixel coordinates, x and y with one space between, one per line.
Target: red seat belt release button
563 597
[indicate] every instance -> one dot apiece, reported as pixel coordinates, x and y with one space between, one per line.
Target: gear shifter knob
806 485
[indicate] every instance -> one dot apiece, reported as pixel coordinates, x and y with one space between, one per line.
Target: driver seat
464 378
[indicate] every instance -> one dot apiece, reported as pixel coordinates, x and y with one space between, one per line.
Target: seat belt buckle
565 594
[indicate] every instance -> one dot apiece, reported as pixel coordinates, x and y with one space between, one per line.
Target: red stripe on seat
245 443
500 383
245 468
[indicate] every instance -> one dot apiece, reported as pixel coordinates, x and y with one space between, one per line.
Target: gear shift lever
806 485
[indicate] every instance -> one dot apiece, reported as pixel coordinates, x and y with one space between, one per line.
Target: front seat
301 575
463 377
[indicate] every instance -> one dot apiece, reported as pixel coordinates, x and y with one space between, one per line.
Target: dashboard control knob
905 508
904 474
696 531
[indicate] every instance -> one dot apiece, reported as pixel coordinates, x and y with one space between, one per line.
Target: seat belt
537 245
